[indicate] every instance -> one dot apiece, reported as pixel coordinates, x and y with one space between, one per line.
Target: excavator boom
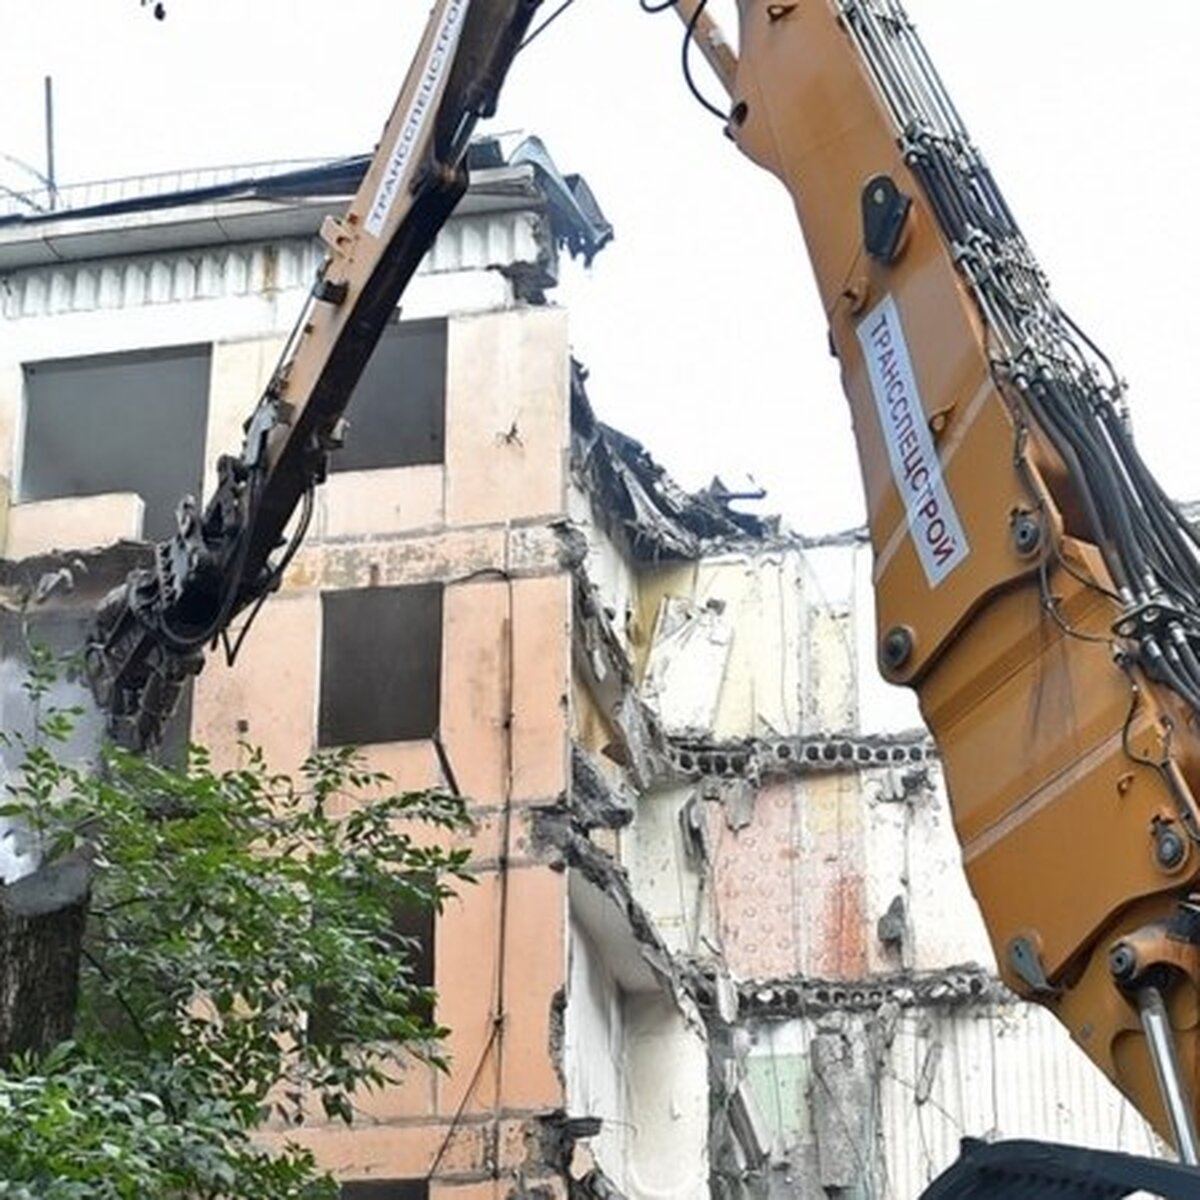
1033 584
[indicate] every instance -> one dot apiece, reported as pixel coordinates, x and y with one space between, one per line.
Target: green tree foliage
226 907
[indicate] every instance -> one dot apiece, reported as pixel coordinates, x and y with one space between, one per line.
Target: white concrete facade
866 1059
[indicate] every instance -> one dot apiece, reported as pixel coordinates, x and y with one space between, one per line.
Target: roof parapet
126 217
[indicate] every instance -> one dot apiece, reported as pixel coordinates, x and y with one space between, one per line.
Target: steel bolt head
1122 961
897 647
1169 848
1027 533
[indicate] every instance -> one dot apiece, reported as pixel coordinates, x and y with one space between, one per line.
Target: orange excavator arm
1033 584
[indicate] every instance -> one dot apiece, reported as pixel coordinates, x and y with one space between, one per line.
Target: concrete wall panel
689 655
377 503
667 883
541 683
759 597
391 1152
757 880
912 853
667 1077
832 869
268 698
445 557
474 666
465 979
411 766
535 970
506 416
790 886
594 1052
762 602
74 522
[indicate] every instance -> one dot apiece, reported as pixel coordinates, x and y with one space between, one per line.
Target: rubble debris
77 579
928 1073
556 832
595 1185
737 798
574 220
575 215
714 991
892 927
739 1142
595 802
602 648
903 784
46 604
659 521
694 831
559 1137
605 667
572 544
841 1097
749 1129
689 653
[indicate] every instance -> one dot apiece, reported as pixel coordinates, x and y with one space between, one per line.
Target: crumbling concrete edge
785 999
558 836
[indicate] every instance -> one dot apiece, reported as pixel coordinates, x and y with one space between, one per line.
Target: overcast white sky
699 323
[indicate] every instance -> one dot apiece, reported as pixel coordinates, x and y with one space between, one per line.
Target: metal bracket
1027 965
885 209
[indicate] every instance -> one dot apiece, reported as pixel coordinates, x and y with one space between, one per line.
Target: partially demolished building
790 866
720 944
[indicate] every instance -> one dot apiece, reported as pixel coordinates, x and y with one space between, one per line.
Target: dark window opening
381 665
413 928
118 423
397 413
385 1189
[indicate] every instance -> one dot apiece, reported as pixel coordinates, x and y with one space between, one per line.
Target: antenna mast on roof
49 177
47 180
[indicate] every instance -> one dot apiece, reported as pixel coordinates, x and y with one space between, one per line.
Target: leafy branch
241 957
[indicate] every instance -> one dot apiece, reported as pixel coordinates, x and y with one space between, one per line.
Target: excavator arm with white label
152 632
1034 585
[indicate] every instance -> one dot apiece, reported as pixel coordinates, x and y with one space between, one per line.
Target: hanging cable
686 60
1064 383
276 576
558 12
689 36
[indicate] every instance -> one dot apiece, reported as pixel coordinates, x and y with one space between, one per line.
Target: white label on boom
932 521
419 110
